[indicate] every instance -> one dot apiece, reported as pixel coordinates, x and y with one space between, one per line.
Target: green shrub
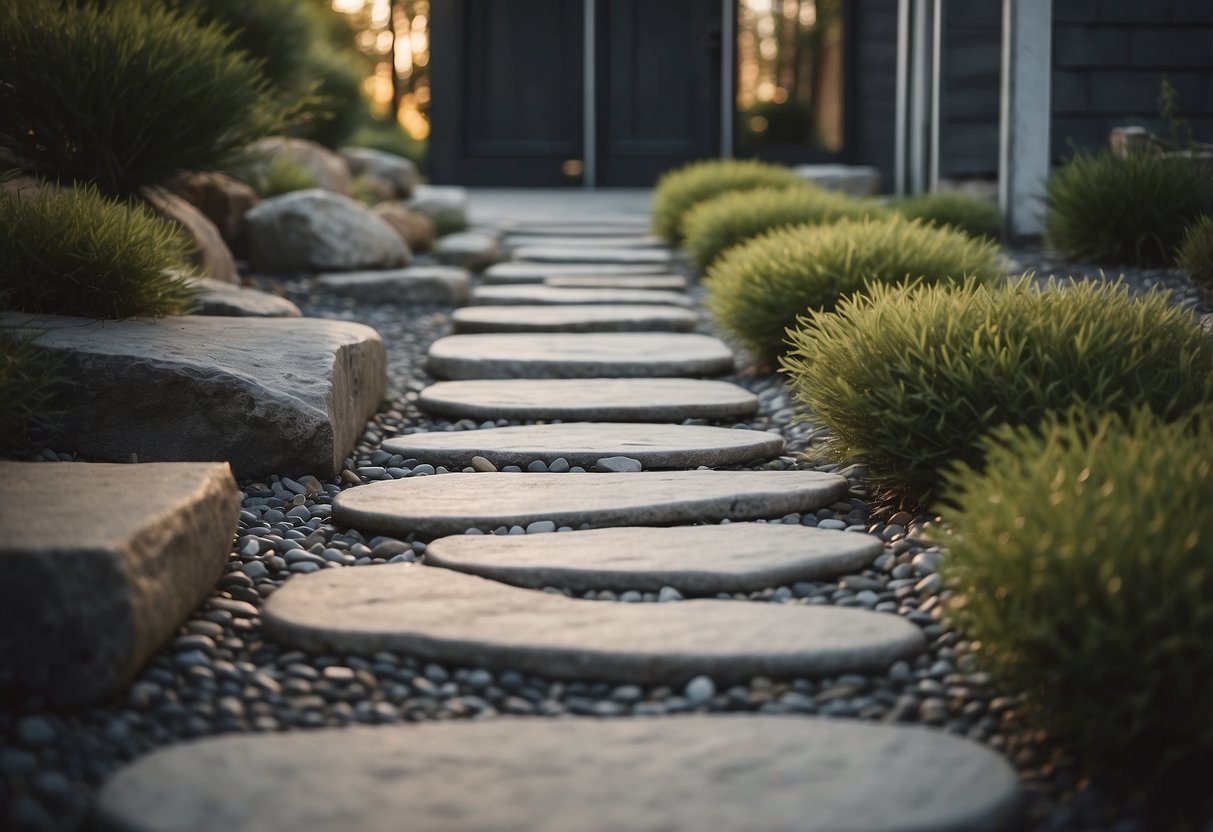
719 223
679 190
909 379
1083 565
759 288
123 96
1104 209
337 106
278 33
27 378
976 216
1195 256
280 176
74 252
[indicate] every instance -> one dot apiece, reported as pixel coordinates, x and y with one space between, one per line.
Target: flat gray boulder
453 503
695 560
600 400
537 295
656 282
447 285
270 395
856 180
573 318
317 231
578 355
102 563
466 621
582 443
230 301
507 273
595 254
446 205
727 773
397 171
473 250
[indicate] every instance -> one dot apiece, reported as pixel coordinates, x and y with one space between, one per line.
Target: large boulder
270 395
446 205
317 231
210 253
222 199
330 171
415 228
226 300
399 171
102 563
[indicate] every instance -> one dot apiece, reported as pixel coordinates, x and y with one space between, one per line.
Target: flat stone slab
573 318
728 773
578 355
655 282
594 254
600 400
582 443
286 396
610 241
473 250
695 560
453 503
418 284
101 564
545 295
507 273
231 301
464 620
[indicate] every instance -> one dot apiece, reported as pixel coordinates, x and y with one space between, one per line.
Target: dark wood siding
875 86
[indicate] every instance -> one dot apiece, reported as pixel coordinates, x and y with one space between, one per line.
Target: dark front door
658 86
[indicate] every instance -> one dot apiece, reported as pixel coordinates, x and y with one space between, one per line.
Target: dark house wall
969 79
875 86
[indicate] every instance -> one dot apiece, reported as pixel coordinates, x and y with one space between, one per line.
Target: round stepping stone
514 273
452 503
543 295
578 355
600 399
594 254
629 241
656 282
592 318
463 620
729 773
695 560
582 443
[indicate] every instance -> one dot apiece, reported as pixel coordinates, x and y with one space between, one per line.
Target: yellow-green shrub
979 217
679 190
1195 255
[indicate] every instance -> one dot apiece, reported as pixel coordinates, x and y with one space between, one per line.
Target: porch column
1023 138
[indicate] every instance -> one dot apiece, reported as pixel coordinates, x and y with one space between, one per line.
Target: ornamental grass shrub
1104 209
909 379
27 380
719 223
679 190
1195 255
74 252
125 94
1082 560
758 289
973 215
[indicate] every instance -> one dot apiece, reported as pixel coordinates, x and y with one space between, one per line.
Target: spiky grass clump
74 252
909 379
278 33
679 190
1104 209
973 215
1195 255
1082 559
758 289
27 379
720 223
124 94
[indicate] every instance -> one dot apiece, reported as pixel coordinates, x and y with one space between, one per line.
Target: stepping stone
695 560
543 295
453 503
573 318
230 301
728 773
446 205
633 241
576 228
473 250
508 273
462 620
102 564
284 396
659 282
602 400
419 284
583 443
578 355
595 254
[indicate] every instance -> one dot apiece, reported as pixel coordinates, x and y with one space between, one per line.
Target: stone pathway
574 318
657 282
506 273
540 295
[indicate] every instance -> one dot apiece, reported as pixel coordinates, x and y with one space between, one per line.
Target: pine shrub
973 215
719 223
679 190
1133 211
1082 559
1195 255
909 379
74 252
759 288
125 94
